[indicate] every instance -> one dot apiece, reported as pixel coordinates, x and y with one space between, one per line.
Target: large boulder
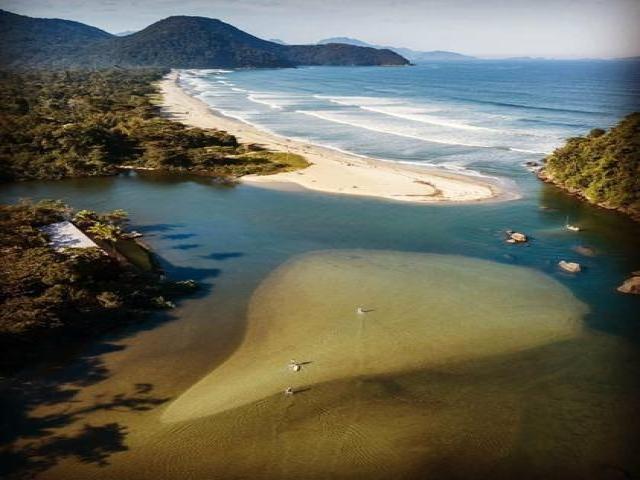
631 285
571 267
516 237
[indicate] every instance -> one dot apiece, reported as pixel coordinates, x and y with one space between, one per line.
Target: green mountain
175 42
186 42
603 167
336 54
35 41
414 56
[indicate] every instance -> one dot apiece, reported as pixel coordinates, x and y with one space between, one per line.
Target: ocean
485 117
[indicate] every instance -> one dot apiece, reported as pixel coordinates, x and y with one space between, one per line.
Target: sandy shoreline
333 171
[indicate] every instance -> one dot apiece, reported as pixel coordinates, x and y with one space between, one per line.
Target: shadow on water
159 227
222 255
178 236
29 443
36 405
186 246
564 410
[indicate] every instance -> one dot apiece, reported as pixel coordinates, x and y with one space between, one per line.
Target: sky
486 28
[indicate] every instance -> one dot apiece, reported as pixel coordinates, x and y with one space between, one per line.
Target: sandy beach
333 171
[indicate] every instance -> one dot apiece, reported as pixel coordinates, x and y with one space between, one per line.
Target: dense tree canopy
603 167
174 42
87 123
47 296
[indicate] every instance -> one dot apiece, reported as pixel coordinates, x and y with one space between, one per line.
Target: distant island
175 42
603 167
415 56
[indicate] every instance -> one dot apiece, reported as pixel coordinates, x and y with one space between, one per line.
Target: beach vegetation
277 161
80 123
603 167
49 296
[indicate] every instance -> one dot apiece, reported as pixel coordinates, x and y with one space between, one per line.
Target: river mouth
558 401
454 357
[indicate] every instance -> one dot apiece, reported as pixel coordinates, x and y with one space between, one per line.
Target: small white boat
572 228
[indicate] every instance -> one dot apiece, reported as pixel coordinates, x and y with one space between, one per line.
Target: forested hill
175 42
79 123
603 167
37 41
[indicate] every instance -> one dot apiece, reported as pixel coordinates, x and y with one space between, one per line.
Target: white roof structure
65 235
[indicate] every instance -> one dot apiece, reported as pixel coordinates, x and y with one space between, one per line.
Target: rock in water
516 237
569 266
631 285
584 250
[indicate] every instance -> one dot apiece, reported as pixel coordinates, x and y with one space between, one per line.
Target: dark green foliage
36 41
175 42
48 296
341 54
84 123
604 167
188 42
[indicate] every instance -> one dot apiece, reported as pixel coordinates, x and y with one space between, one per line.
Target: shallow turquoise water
196 226
231 239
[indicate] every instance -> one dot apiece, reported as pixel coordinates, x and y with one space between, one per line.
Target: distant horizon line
484 56
477 56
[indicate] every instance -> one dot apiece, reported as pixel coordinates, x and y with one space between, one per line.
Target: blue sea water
488 117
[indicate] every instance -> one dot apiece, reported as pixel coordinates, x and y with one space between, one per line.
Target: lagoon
500 413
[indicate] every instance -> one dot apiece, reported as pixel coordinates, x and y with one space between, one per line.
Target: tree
85 123
105 231
603 167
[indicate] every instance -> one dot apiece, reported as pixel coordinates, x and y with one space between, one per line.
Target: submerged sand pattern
425 310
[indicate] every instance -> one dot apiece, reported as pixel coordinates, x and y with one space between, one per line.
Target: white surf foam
419 115
388 130
264 100
405 132
422 114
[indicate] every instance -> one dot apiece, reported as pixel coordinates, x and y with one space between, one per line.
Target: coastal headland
333 171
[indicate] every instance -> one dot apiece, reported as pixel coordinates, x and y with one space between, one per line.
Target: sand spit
422 311
334 171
